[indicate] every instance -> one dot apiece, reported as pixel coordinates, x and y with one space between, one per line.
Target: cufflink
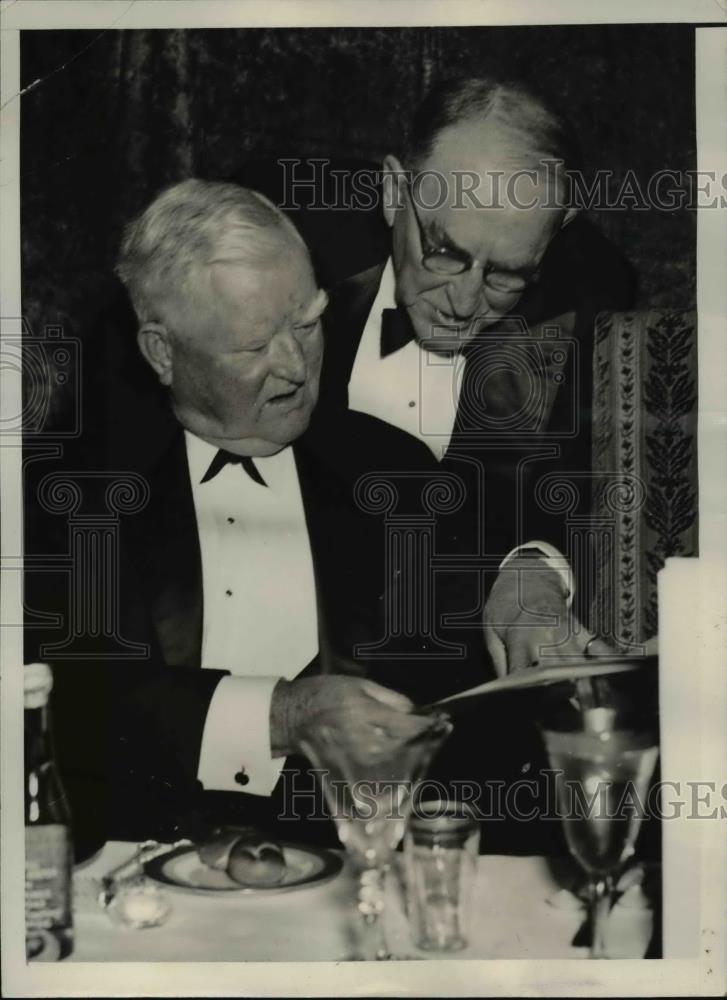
241 778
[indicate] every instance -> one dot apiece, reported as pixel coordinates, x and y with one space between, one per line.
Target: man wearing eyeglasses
464 323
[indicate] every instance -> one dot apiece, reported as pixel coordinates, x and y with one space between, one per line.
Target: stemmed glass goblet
369 794
603 757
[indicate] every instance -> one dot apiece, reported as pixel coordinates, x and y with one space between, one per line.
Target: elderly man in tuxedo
218 574
464 285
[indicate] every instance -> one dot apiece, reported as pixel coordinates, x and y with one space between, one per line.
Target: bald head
534 128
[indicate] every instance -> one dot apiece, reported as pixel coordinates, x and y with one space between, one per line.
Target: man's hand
515 635
370 719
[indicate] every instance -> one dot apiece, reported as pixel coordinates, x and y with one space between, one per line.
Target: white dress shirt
413 389
260 616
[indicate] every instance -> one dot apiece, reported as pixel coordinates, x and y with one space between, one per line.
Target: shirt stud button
230 520
412 402
229 593
241 778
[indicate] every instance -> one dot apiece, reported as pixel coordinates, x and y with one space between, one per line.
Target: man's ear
394 178
155 344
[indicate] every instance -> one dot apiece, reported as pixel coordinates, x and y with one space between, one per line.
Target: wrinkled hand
367 718
516 636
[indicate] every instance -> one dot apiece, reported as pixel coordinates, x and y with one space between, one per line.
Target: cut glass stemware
369 791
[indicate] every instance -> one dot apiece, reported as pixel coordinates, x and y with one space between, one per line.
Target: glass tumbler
441 847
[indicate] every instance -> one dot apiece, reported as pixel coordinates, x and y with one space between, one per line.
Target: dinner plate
182 869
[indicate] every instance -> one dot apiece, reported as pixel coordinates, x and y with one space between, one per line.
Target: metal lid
441 821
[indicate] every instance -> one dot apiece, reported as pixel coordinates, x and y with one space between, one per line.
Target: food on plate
248 856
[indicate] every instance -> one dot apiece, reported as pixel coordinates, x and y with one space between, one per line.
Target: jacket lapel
165 542
349 306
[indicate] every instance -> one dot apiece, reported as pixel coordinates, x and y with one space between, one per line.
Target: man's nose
287 359
465 292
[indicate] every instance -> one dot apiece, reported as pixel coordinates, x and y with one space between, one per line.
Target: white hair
188 227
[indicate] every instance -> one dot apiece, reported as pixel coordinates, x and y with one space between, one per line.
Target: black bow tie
223 458
396 330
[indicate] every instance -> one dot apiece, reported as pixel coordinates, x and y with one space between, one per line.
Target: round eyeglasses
451 261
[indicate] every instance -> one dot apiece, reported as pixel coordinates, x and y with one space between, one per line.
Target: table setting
519 910
409 882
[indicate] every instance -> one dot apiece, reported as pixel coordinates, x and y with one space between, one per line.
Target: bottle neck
45 800
38 747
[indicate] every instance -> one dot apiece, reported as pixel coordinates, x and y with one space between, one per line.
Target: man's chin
266 441
287 429
442 340
434 334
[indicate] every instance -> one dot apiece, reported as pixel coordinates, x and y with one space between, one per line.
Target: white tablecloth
513 916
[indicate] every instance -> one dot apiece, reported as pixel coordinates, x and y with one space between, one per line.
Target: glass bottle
48 842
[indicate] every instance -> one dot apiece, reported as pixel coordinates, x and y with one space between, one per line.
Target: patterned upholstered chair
644 463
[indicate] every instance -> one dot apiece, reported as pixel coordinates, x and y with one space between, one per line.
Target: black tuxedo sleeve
128 739
527 482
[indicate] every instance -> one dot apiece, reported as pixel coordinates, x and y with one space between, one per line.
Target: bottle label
48 918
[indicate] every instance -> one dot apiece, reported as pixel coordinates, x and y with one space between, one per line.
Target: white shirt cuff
552 558
236 737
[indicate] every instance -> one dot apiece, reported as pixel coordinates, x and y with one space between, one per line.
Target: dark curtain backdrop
116 116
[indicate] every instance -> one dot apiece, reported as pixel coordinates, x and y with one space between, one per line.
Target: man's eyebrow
437 233
316 308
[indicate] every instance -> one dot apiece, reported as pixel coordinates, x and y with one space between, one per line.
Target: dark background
119 114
